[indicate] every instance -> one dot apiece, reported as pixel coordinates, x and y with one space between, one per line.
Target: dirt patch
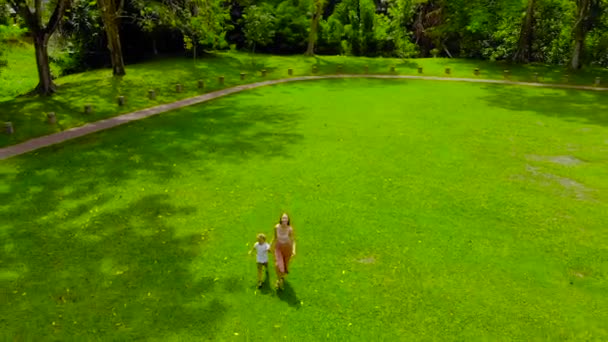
562 160
580 191
370 260
566 160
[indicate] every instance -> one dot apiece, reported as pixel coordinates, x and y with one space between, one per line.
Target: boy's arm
252 248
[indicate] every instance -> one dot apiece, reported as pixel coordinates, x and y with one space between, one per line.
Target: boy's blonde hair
262 236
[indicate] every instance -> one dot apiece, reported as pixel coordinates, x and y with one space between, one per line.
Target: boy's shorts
262 264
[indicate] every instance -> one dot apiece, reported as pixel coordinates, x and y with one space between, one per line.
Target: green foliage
291 25
200 22
5 18
259 26
81 37
359 30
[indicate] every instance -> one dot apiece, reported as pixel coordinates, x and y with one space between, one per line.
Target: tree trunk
154 48
576 54
312 36
118 64
41 34
110 22
580 32
45 83
524 45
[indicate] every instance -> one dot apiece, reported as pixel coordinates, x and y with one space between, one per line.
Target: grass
100 89
418 217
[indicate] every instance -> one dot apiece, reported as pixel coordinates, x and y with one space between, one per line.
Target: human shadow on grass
123 274
266 287
587 107
289 296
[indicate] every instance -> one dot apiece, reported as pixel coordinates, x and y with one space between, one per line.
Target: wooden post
366 69
121 101
339 68
88 109
243 76
448 71
506 74
566 78
290 72
178 88
420 70
476 71
263 72
221 80
315 69
598 80
392 68
201 84
152 94
8 128
51 118
536 77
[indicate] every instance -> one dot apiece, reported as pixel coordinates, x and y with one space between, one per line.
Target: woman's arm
293 240
274 239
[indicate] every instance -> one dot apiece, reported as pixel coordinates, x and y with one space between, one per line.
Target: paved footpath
89 128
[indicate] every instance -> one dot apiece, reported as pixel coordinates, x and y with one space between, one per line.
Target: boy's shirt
262 255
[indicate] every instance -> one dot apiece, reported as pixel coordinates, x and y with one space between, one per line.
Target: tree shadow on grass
123 275
161 147
586 107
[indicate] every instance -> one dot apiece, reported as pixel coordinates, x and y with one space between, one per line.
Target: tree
318 8
41 34
524 45
110 14
259 26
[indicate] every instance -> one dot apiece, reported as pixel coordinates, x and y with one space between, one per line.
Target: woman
284 247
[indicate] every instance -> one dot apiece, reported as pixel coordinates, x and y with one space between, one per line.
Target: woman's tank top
283 235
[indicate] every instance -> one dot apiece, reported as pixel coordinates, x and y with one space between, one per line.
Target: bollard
392 68
151 94
221 80
506 74
339 68
290 72
51 118
121 100
566 78
420 70
448 71
178 88
263 72
8 128
243 76
201 84
88 109
536 77
366 69
598 80
315 69
476 71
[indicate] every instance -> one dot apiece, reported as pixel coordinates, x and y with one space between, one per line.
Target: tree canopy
101 32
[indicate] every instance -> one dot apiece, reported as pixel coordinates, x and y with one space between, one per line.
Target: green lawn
100 89
424 211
